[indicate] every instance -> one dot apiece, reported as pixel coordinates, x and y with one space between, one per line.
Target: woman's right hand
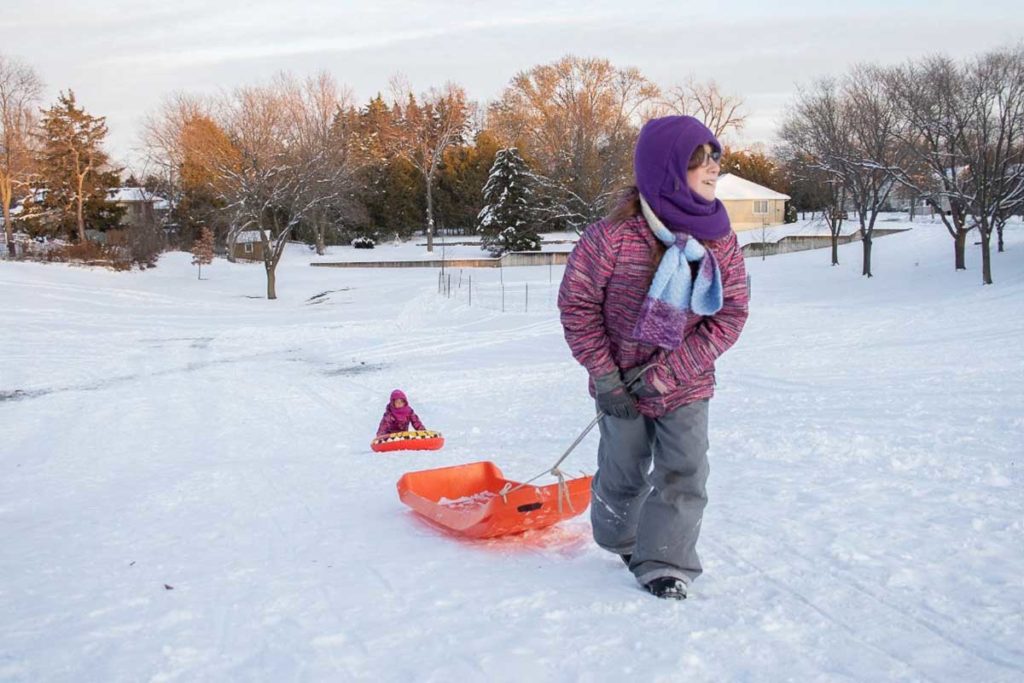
613 398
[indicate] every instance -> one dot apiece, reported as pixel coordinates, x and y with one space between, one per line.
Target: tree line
948 133
299 158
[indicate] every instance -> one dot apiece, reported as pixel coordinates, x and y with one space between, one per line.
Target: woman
651 296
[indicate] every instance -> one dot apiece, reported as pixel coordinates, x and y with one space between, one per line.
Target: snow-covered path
867 497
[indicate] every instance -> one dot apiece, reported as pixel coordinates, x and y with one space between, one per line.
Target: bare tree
20 90
995 151
879 152
165 141
575 122
705 101
817 144
321 112
931 96
425 129
269 178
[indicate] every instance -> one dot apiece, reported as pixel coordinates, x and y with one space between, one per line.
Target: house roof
732 187
246 236
136 194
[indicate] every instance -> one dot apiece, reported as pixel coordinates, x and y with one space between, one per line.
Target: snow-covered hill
187 491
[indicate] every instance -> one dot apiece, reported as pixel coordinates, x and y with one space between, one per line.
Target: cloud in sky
122 58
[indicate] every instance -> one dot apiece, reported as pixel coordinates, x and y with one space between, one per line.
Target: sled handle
529 507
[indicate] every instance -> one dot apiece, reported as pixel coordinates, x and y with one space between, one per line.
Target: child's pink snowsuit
398 419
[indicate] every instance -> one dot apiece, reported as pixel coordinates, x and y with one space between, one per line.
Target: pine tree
202 250
72 159
506 223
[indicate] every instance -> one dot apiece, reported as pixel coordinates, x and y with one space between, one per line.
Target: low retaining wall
808 242
557 258
511 259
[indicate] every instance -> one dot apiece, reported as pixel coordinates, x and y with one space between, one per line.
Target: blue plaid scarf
676 293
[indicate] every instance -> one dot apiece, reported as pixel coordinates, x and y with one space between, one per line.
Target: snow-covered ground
187 491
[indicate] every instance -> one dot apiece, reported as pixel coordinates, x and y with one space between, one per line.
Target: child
398 415
656 293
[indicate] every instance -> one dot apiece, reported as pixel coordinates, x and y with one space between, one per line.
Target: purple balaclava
405 411
663 151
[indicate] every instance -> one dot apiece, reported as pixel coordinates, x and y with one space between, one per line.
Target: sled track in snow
847 581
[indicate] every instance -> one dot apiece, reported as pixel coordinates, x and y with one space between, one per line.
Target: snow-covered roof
732 187
136 194
247 236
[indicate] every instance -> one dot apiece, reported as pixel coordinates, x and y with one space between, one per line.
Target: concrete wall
511 259
806 242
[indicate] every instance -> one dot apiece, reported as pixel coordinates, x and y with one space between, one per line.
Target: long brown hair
627 205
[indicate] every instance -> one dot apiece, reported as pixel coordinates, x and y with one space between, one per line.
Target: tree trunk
271 281
430 215
986 256
81 214
9 229
320 247
999 237
835 249
319 228
867 255
959 248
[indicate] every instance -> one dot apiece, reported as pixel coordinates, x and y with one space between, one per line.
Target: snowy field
188 494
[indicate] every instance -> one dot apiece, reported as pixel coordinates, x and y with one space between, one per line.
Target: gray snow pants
653 513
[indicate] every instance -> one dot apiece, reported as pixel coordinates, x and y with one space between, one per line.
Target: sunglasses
702 157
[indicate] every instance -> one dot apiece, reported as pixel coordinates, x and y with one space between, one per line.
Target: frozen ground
187 491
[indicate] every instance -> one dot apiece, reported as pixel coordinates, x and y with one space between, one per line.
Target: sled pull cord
563 487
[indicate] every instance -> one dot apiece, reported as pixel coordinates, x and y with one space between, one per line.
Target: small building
750 205
248 246
142 207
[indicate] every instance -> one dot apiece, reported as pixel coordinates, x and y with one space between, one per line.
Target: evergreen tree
391 190
507 221
461 178
72 160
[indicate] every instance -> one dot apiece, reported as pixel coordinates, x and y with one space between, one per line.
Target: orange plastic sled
465 500
422 440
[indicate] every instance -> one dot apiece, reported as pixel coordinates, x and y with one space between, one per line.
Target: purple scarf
399 414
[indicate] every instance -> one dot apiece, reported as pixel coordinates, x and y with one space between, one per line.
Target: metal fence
512 290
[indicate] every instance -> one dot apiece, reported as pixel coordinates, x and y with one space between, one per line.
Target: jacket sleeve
385 425
714 334
581 300
416 422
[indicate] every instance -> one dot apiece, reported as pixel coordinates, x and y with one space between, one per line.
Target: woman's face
702 174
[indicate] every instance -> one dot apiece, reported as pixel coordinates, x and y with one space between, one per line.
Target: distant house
750 205
142 207
248 246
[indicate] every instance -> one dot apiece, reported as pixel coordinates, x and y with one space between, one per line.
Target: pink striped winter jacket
605 282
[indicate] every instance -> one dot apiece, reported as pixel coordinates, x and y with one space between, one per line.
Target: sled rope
563 486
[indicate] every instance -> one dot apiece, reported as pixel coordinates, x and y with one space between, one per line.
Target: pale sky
122 58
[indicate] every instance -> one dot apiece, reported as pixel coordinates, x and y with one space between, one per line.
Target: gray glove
636 382
613 398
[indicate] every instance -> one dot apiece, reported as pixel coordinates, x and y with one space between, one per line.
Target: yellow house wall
742 216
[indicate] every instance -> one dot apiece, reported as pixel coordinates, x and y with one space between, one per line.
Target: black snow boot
667 587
